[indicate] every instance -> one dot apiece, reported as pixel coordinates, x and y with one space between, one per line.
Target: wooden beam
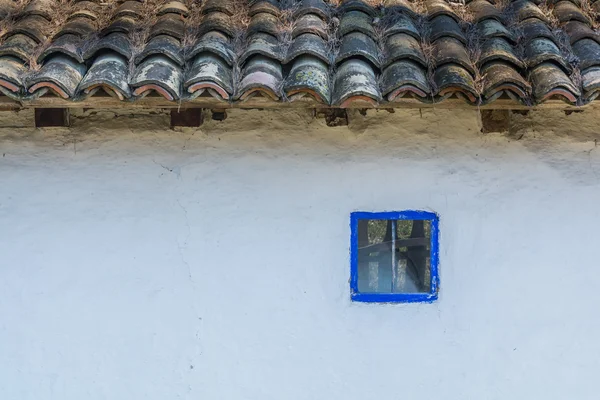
101 102
495 121
410 242
51 117
186 117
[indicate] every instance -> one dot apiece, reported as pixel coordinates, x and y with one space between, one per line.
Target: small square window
394 256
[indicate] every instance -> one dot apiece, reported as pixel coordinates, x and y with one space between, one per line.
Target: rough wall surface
142 263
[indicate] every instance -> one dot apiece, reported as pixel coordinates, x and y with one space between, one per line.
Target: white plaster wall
143 263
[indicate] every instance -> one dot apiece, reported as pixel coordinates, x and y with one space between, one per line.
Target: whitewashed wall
141 263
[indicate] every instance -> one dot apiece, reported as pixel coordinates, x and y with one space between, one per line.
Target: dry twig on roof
588 11
240 20
333 43
10 15
427 48
139 35
58 16
192 24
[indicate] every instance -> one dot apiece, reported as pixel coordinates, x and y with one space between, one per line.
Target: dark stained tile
483 9
174 7
214 42
445 26
123 24
158 74
453 79
263 22
42 8
358 44
440 7
566 11
405 77
587 52
130 8
216 21
68 44
400 6
108 73
401 23
316 7
18 45
34 26
261 76
309 76
492 28
524 9
86 9
11 71
541 50
168 24
591 83
578 30
79 26
357 5
263 44
224 6
209 73
308 44
355 80
500 77
496 49
356 21
310 23
162 44
549 80
449 50
59 74
402 46
264 6
117 42
534 28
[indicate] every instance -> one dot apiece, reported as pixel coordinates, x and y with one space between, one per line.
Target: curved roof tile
310 23
160 74
288 50
162 44
355 80
59 74
401 46
11 71
405 77
452 79
358 44
117 42
211 73
262 75
308 44
309 76
109 73
549 80
500 77
214 42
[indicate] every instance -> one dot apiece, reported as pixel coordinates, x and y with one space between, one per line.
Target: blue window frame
389 266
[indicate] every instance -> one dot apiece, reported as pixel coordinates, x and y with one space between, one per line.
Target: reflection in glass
394 256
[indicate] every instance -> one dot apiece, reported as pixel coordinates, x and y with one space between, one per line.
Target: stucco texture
137 262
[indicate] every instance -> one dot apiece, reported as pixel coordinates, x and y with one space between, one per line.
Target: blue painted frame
434 258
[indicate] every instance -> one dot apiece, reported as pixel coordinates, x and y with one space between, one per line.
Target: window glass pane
394 256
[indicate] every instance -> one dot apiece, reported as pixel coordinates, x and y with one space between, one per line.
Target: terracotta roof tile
109 73
309 76
335 53
209 73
